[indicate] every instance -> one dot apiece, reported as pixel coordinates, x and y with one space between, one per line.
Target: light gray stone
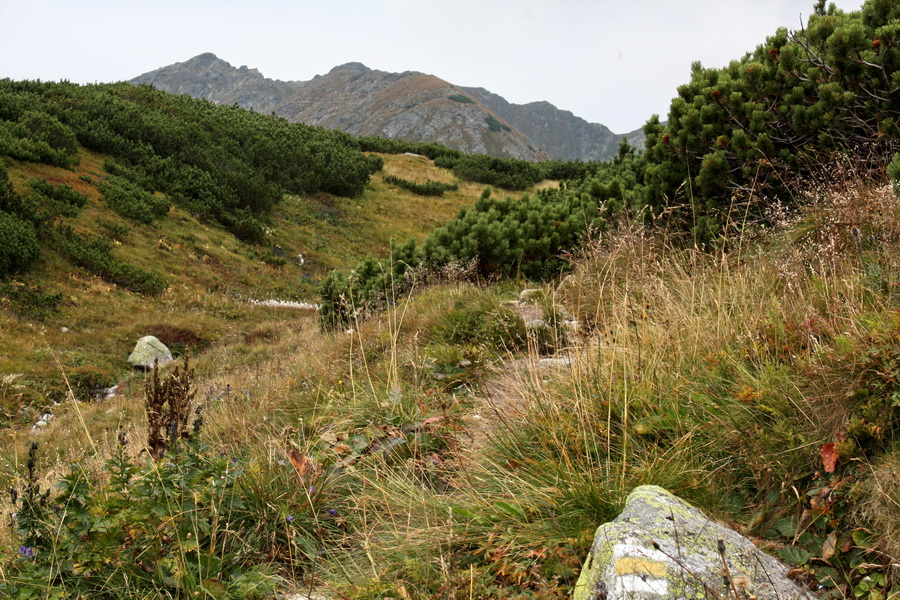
531 295
148 351
105 393
662 548
556 363
42 423
536 324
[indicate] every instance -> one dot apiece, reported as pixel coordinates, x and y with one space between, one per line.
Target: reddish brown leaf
847 545
829 456
301 463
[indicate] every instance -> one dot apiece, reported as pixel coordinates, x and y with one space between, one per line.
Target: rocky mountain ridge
410 105
559 133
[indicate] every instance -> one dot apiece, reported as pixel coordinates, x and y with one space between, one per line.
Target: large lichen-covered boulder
662 548
147 351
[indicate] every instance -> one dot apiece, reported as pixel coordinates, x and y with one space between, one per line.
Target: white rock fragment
286 304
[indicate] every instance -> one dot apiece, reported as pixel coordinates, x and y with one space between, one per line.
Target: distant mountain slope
557 132
353 98
410 106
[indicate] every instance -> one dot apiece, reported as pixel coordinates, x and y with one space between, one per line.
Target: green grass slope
433 452
213 277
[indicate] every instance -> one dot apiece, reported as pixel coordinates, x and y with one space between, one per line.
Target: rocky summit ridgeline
410 106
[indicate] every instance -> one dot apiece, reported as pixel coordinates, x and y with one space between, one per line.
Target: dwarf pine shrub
18 244
429 188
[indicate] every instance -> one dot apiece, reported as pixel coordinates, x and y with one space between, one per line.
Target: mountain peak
351 66
207 58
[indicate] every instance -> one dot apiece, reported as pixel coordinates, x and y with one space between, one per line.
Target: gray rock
531 295
555 363
536 324
662 548
42 422
309 595
148 351
105 393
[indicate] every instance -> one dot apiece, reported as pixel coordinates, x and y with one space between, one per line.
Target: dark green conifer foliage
18 244
776 114
18 240
227 165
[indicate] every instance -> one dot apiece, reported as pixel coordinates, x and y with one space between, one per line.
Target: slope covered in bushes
227 165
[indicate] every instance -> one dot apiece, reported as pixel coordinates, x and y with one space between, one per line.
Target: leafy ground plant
141 527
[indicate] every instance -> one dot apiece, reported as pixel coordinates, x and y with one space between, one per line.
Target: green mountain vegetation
737 143
717 314
74 258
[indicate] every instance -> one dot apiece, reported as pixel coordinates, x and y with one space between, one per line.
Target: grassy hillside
434 452
212 276
717 315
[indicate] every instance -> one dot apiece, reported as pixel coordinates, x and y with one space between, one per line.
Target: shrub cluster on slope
748 130
429 188
495 237
225 164
18 240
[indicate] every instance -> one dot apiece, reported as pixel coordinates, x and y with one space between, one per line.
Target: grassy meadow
433 451
213 278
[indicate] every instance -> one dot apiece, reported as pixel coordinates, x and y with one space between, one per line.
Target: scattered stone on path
662 548
105 393
148 351
305 596
42 422
531 295
556 363
536 324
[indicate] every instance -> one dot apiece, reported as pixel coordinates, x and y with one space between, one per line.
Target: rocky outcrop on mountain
207 76
410 106
557 132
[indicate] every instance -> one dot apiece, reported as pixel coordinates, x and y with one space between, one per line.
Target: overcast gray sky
614 62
